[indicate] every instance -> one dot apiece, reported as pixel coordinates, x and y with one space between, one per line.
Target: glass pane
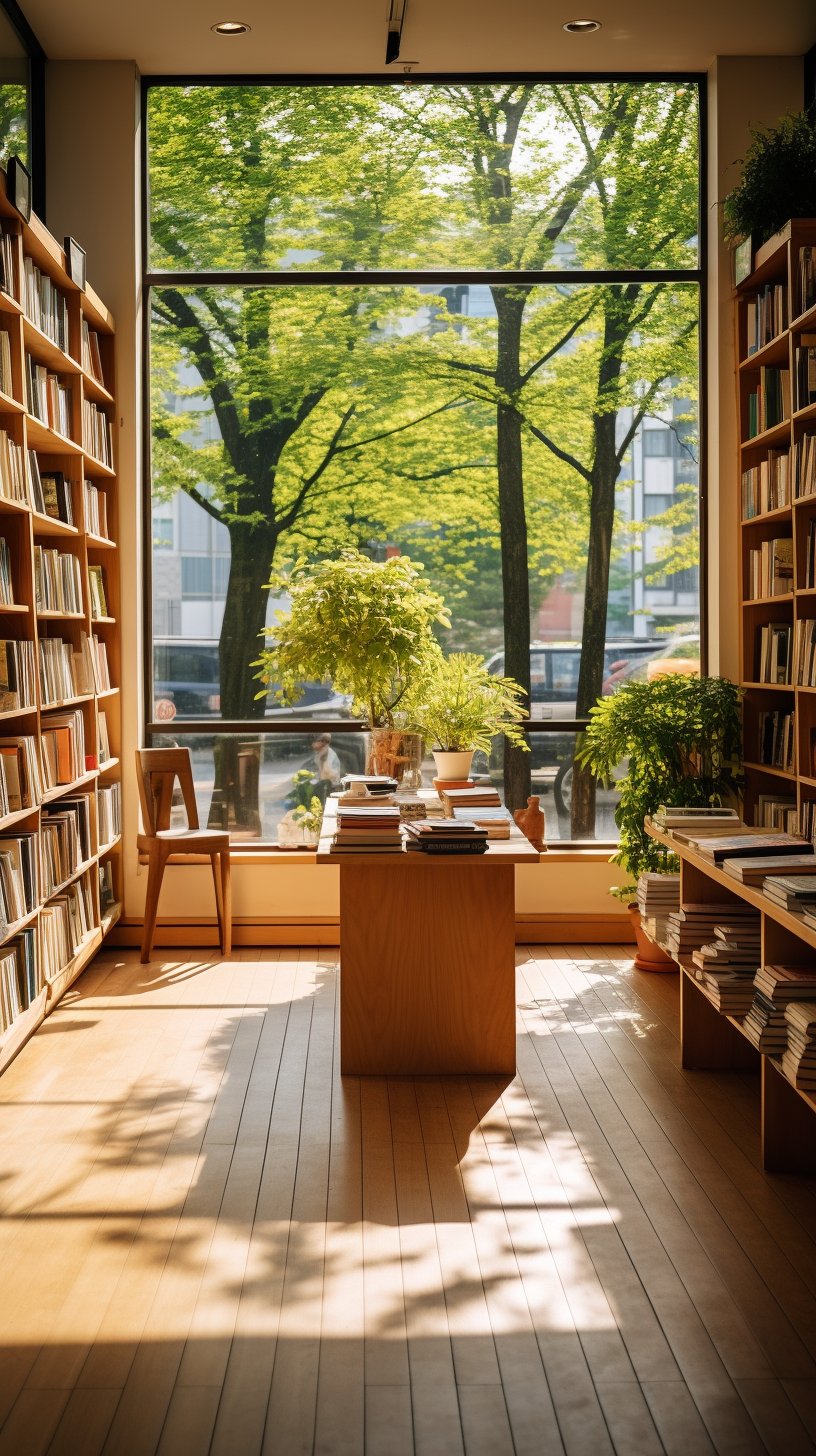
246 782
595 174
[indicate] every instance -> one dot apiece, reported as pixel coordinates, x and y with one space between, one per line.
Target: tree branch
556 450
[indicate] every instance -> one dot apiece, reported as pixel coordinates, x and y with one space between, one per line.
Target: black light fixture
582 27
396 20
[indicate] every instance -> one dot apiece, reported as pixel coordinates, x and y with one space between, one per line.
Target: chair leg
226 896
155 875
219 904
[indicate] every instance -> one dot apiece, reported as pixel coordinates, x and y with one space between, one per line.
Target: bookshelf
713 1040
60 662
776 327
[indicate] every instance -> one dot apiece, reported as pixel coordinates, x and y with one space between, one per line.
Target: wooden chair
157 771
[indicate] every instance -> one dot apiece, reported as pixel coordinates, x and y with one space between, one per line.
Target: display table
427 958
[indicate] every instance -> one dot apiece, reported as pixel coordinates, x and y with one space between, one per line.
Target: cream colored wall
93 194
743 91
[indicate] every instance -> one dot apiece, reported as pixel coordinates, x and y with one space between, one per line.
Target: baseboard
325 930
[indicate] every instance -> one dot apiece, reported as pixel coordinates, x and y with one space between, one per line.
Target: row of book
109 812
91 356
13 479
805 371
804 466
65 922
6 376
62 741
766 316
45 304
776 738
57 580
770 403
767 486
799 1056
97 433
49 492
96 510
775 988
35 865
725 962
30 768
21 783
66 672
49 398
8 253
7 598
17 676
770 568
19 877
774 654
810 556
777 812
20 978
806 278
96 590
804 651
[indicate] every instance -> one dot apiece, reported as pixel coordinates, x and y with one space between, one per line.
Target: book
748 846
754 871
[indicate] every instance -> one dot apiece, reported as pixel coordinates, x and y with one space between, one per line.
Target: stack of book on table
369 829
799 1057
720 848
657 897
774 988
376 784
495 820
726 966
693 925
481 796
702 820
764 867
445 836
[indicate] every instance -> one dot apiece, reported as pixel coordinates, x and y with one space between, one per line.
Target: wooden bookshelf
71 340
713 1040
764 520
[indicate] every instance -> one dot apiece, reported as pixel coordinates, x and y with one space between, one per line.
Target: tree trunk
235 800
510 303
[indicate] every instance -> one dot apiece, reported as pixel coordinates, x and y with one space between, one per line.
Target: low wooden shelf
427 958
711 1040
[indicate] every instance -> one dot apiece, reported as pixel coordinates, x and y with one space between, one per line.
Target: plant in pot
366 627
680 740
459 707
778 180
300 826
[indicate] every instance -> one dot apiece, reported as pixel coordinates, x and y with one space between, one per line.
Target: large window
454 321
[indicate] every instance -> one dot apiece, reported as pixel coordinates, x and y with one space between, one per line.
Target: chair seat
192 841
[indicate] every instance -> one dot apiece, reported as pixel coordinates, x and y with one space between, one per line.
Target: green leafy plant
778 179
680 739
459 705
365 626
308 808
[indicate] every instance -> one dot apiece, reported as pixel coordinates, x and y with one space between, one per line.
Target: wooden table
427 958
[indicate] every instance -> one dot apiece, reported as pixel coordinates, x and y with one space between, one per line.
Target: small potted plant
778 181
679 738
300 826
366 627
459 707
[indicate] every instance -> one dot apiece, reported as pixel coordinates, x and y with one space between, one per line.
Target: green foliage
365 626
308 808
680 739
458 705
778 179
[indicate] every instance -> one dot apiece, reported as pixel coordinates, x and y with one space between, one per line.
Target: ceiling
348 36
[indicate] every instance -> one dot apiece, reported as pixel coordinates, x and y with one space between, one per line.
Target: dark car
186 685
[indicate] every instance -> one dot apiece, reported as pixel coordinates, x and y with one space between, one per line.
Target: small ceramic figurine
532 823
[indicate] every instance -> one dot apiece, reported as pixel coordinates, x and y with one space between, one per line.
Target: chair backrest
157 771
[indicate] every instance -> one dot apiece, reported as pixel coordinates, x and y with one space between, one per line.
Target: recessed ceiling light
230 27
582 27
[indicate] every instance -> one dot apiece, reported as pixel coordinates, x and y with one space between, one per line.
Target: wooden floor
210 1243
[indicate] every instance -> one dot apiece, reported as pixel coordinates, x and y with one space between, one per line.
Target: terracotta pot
532 823
650 956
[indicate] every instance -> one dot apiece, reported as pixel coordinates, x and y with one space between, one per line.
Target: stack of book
375 784
796 893
720 848
369 829
481 796
496 821
658 896
693 925
774 988
799 1057
703 819
445 836
726 966
756 869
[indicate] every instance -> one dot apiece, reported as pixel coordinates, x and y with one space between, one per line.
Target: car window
564 669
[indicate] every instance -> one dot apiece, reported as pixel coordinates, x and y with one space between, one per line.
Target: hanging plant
778 180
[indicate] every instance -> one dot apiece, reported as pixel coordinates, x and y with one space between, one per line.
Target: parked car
186 685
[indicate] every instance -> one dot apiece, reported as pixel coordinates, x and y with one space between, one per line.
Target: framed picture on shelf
743 259
75 262
18 186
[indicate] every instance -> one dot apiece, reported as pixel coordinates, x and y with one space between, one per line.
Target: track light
396 20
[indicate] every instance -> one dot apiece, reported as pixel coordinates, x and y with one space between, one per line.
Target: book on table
445 836
747 846
756 870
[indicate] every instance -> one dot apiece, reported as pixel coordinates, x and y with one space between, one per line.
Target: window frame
444 277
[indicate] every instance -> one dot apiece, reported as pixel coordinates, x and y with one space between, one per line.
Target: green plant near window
680 739
364 626
459 705
778 179
308 808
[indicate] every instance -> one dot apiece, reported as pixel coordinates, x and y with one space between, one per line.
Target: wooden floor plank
212 1242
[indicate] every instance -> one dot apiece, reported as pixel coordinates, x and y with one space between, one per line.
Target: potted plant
300 826
778 180
679 738
459 707
367 627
